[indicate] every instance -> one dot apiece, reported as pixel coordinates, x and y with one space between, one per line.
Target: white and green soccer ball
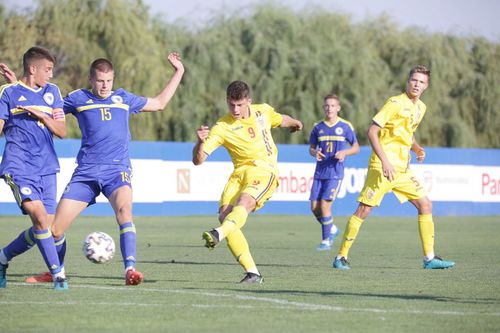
99 247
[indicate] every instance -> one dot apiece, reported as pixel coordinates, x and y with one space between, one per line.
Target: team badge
370 194
339 131
26 190
117 99
48 98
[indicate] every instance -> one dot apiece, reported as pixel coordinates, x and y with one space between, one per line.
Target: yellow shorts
405 186
259 183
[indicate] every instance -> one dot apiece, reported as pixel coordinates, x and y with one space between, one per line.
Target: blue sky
458 17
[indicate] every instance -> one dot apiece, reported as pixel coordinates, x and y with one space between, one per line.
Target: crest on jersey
339 131
48 98
117 99
26 190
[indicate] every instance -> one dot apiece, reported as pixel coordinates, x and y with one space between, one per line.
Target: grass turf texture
190 289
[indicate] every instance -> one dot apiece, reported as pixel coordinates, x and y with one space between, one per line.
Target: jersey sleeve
4 104
351 136
275 118
58 100
215 139
136 103
313 138
390 108
69 103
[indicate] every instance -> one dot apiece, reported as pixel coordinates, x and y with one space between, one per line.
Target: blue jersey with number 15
104 124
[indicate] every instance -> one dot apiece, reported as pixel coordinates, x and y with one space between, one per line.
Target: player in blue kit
31 113
103 160
328 144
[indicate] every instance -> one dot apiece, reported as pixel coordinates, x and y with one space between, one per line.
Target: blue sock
23 242
47 248
326 226
128 244
61 248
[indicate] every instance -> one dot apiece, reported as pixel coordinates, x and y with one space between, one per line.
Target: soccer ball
99 247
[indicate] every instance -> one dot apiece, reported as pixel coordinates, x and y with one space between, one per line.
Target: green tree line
291 61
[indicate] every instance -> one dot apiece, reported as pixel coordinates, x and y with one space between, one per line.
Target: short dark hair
331 96
36 53
237 90
420 69
101 65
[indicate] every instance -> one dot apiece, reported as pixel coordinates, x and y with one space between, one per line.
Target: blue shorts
89 180
43 188
325 189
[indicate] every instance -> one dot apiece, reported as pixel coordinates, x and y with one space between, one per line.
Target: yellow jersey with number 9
398 119
248 141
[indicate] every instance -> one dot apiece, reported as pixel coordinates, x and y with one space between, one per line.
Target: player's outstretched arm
159 102
199 156
7 73
293 124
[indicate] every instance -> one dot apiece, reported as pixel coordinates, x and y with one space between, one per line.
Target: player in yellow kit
391 137
246 134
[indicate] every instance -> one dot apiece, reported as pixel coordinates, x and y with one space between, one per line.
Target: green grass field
190 289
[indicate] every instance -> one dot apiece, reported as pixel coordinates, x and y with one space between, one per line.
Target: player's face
102 83
416 85
239 109
42 71
331 106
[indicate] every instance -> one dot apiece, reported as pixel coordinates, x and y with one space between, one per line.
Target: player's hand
388 171
37 114
175 60
297 126
7 74
340 155
420 155
319 155
202 133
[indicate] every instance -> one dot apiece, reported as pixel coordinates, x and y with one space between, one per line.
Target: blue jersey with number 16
104 124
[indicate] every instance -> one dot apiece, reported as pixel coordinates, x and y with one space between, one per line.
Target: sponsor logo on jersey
21 99
48 98
90 101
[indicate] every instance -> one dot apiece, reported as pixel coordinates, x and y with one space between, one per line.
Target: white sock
3 258
221 234
254 271
430 256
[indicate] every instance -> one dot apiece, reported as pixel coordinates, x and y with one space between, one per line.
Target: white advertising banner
156 181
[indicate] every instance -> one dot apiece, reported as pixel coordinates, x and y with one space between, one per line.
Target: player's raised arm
159 102
199 156
293 124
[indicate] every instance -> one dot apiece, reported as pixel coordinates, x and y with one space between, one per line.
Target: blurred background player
31 113
103 160
246 134
328 144
392 137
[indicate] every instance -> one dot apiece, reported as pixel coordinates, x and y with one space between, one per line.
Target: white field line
277 302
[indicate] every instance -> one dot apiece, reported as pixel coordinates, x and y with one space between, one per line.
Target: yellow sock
350 234
234 221
238 245
426 230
